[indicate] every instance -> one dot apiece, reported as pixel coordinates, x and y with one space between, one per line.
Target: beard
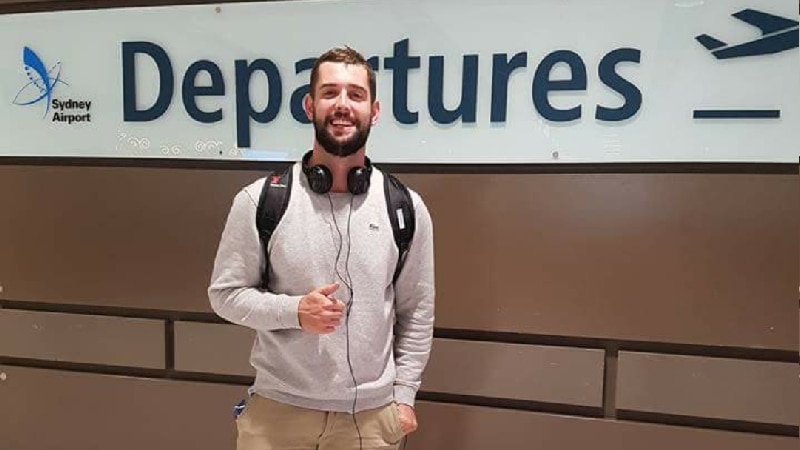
341 147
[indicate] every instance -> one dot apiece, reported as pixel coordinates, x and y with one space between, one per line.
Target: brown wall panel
527 372
82 338
45 410
135 237
538 373
695 258
52 410
22 2
692 258
444 427
213 348
756 391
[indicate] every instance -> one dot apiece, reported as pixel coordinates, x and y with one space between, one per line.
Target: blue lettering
468 105
543 85
190 90
400 63
130 112
296 102
244 108
374 62
502 68
629 92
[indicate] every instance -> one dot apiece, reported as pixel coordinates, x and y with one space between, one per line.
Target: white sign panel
460 81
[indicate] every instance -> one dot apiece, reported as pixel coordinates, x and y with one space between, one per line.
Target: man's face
342 109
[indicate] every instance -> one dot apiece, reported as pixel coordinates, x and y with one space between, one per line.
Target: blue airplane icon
777 34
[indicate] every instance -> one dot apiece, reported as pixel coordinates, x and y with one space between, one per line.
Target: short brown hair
343 55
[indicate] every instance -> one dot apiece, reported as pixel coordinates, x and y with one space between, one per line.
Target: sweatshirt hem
345 406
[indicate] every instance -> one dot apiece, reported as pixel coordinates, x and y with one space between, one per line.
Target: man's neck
339 166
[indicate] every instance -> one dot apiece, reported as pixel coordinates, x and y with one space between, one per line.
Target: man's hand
408 418
319 313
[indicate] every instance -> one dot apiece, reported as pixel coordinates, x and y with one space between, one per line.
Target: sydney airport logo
41 86
777 34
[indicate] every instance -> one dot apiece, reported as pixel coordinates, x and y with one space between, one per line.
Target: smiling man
343 308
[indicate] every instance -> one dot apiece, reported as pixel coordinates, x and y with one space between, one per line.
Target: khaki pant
269 425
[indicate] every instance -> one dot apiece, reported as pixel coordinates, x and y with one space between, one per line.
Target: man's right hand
318 312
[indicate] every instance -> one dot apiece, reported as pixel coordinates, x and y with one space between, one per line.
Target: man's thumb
329 289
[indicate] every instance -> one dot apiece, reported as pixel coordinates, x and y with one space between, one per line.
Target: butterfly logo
41 80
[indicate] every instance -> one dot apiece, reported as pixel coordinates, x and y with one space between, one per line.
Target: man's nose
341 99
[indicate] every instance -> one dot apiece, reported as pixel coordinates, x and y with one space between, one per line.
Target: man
341 345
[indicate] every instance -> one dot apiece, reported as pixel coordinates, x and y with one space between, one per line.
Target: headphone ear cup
319 179
358 180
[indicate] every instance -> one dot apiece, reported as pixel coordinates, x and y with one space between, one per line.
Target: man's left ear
308 107
376 112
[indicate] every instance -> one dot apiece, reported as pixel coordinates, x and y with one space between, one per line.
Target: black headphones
320 178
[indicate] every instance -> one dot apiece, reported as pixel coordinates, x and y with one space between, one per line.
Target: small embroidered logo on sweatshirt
374 227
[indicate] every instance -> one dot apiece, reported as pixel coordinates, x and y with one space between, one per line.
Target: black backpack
275 198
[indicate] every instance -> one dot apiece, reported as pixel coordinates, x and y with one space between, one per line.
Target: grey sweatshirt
324 239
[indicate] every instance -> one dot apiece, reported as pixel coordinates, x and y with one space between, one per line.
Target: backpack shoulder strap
400 207
271 205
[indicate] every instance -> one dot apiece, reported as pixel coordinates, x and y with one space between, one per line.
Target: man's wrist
404 395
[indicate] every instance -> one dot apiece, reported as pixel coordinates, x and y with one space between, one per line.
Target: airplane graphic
777 34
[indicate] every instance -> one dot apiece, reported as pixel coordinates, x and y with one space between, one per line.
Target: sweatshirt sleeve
414 306
234 290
